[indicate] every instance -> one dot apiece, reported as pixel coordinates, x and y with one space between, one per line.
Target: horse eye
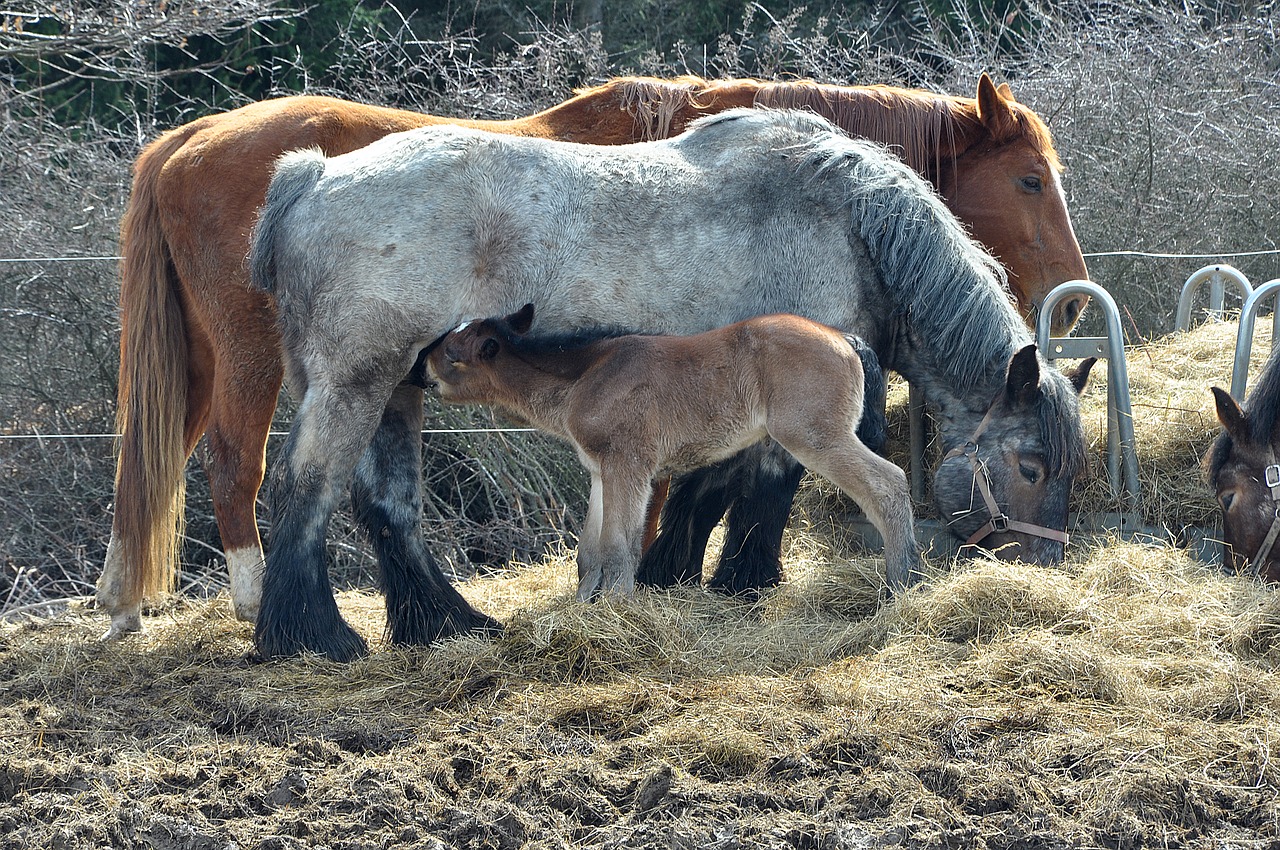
1226 499
489 349
1029 472
1032 183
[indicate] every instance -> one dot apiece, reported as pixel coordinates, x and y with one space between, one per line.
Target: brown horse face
1008 188
1239 467
462 363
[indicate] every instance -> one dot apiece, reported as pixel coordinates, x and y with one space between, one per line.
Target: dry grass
1129 698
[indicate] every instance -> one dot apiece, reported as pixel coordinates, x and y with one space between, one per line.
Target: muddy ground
1129 699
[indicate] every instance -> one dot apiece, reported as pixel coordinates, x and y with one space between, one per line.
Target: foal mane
924 128
534 349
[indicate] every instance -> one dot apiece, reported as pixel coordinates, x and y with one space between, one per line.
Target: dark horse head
1242 469
1004 485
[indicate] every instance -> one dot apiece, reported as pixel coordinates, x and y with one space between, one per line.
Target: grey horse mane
953 293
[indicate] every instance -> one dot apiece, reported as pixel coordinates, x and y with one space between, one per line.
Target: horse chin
1025 548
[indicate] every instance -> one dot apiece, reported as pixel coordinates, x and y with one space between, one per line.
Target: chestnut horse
636 407
372 255
200 352
1243 470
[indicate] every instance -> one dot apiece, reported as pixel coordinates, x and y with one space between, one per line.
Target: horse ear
994 112
1023 380
521 320
1230 415
1004 91
1079 376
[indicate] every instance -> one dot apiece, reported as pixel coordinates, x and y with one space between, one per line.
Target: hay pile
1127 699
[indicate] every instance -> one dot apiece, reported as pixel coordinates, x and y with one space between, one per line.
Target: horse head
1242 469
461 362
1004 484
1007 187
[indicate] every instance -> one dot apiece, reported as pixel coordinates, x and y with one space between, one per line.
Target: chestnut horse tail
151 402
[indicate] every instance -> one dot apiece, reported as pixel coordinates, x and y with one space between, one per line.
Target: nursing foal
637 406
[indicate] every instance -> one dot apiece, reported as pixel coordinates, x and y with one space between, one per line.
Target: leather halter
1000 521
1270 477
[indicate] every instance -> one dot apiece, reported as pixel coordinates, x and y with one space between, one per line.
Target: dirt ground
1128 699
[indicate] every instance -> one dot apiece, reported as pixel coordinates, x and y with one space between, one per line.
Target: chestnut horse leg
657 495
386 493
244 400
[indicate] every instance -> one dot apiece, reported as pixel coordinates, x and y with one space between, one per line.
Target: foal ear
1230 415
994 112
1079 376
1023 381
521 320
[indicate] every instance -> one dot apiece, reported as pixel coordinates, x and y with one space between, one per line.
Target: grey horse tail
873 427
296 173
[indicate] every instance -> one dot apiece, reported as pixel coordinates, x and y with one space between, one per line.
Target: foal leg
590 562
752 556
386 493
625 497
879 488
299 613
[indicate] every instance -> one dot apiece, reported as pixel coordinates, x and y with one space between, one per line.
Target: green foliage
78 73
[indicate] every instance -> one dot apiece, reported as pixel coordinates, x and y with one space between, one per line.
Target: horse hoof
343 645
244 612
122 625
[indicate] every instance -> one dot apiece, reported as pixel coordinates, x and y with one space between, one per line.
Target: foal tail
151 400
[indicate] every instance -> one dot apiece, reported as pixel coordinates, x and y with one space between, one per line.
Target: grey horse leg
298 612
386 493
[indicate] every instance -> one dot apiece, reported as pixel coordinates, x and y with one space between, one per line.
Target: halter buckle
1271 476
999 523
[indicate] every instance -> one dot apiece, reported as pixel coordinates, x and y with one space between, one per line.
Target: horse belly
712 446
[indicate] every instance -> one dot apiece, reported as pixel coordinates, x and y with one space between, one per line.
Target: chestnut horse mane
921 127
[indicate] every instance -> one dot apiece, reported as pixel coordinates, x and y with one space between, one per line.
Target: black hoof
424 627
338 643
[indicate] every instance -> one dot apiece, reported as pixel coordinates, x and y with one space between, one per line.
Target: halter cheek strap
1000 521
1271 477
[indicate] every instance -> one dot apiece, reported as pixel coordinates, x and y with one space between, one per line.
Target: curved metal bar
1122 457
1215 276
1244 336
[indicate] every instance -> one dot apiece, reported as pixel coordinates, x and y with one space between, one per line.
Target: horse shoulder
617 400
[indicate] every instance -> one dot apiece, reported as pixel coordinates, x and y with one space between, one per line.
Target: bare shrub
1168 119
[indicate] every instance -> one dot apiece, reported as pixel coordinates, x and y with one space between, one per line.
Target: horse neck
959 401
927 131
536 384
